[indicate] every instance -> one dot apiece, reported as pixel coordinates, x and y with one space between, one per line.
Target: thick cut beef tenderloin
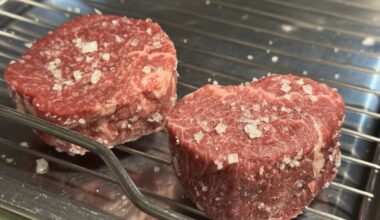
110 78
257 151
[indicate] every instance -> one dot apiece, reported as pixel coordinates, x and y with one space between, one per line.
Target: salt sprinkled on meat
134 42
285 85
198 136
42 166
204 188
77 75
219 164
252 131
57 74
147 69
89 47
57 87
115 22
82 121
156 117
220 128
261 171
95 77
308 89
260 205
232 158
106 56
256 107
149 31
300 82
134 119
119 39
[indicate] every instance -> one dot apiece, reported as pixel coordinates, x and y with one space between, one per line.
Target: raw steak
256 151
110 78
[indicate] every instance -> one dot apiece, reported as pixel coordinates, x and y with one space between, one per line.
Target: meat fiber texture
261 150
110 78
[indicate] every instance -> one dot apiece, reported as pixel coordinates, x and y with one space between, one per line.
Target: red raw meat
110 78
257 151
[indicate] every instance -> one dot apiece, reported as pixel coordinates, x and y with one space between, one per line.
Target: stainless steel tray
224 41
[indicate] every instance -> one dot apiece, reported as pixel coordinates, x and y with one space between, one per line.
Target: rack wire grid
228 42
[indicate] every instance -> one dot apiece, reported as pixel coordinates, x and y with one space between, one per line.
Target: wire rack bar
319 11
106 155
82 169
250 44
304 24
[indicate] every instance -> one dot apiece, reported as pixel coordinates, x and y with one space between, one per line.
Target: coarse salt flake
77 75
149 31
220 128
57 74
219 164
256 107
250 57
57 87
285 86
252 131
89 47
261 170
118 39
24 144
134 42
232 158
95 77
260 205
300 82
287 28
156 117
198 136
156 169
204 188
274 59
97 11
42 166
28 45
147 69
308 89
82 121
313 98
106 56
368 41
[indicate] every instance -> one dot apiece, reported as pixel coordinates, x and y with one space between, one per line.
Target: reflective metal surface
225 41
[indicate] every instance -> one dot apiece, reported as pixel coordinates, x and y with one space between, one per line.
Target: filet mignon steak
261 150
110 78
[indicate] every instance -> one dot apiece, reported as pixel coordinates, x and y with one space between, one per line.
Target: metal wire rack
196 32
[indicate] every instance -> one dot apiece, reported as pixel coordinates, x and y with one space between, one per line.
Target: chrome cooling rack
231 42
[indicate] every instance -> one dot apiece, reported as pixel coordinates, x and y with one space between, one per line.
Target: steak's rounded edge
256 151
110 78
